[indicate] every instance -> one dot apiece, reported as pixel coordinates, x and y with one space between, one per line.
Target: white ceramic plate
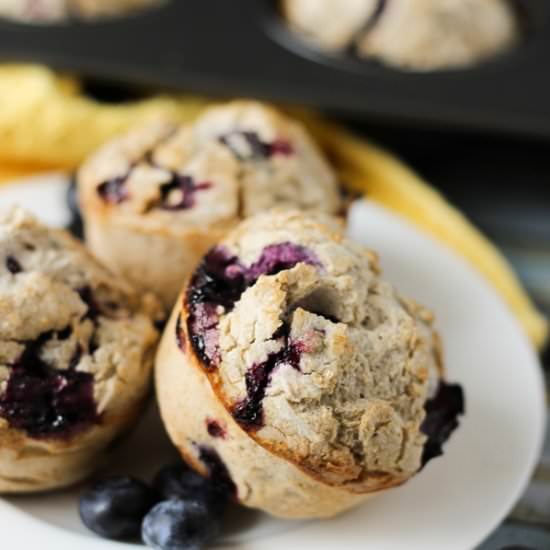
451 505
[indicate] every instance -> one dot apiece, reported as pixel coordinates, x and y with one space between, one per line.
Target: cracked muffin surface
156 199
315 359
76 351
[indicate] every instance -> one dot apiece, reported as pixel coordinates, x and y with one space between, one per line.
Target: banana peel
46 123
44 119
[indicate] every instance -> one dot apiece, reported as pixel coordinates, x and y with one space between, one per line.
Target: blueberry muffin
409 34
76 354
294 370
156 200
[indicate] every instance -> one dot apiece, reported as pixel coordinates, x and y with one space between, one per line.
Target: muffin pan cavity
251 52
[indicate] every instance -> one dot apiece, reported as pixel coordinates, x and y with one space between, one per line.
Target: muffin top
332 24
409 34
235 160
429 34
314 355
72 336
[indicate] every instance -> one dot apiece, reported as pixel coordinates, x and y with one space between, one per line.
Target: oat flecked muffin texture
292 361
76 355
154 201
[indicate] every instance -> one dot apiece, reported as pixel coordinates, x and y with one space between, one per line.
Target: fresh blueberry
179 525
181 482
115 508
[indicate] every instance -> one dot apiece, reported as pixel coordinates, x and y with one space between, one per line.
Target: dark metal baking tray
243 48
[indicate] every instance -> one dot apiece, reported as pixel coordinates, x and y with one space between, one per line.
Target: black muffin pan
224 48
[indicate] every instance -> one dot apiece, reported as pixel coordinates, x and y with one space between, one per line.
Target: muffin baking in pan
157 199
76 356
295 368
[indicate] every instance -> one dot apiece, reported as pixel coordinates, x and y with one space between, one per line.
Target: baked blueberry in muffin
328 384
76 352
156 200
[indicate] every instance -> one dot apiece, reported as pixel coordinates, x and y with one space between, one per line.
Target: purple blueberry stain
204 329
442 412
216 428
279 257
114 191
179 193
246 145
249 412
281 147
218 284
44 402
13 266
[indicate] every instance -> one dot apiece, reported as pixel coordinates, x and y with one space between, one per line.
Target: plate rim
43 528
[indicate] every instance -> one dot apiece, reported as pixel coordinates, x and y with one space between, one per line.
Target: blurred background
458 89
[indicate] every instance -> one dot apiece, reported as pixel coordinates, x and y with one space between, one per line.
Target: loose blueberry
179 525
115 508
180 481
